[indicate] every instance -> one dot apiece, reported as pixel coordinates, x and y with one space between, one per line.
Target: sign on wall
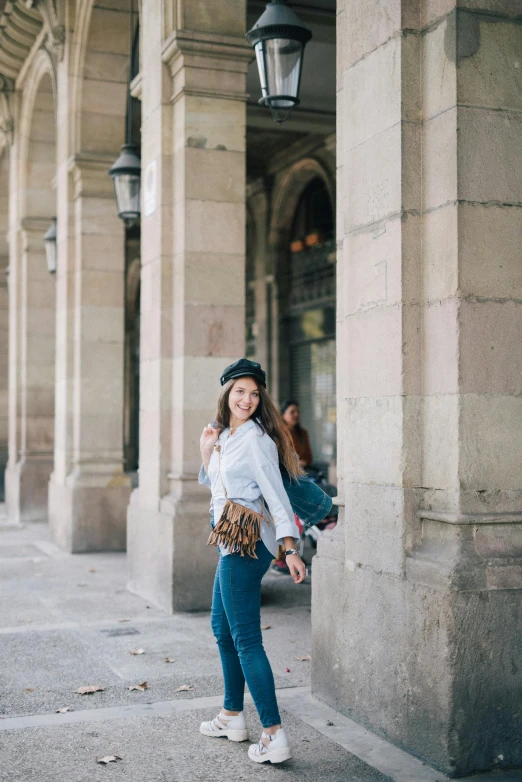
150 181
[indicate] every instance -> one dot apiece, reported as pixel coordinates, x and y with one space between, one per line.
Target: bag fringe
238 530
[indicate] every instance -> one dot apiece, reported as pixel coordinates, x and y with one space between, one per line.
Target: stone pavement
69 621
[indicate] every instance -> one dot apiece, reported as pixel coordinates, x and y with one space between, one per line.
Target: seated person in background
290 412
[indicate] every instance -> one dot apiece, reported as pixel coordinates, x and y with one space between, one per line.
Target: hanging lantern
279 39
50 245
126 175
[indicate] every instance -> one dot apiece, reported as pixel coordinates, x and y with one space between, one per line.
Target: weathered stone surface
428 546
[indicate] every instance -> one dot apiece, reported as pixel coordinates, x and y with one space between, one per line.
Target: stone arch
32 300
287 194
304 289
100 67
37 136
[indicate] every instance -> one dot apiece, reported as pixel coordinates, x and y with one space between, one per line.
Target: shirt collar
243 428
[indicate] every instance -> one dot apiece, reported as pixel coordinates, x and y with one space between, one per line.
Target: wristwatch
291 551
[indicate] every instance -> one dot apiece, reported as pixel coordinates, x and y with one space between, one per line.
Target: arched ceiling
19 26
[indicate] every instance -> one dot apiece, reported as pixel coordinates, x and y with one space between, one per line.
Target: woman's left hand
297 568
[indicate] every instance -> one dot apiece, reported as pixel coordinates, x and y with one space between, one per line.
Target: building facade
367 252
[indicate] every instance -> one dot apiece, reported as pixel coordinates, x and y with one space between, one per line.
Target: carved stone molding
6 113
55 30
206 65
468 551
90 174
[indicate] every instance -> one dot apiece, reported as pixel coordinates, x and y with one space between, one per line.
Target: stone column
4 315
32 297
417 594
89 491
32 364
193 252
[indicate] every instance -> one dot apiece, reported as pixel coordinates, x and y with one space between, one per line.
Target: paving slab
61 628
170 749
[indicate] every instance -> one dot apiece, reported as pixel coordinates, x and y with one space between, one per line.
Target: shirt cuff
203 476
287 530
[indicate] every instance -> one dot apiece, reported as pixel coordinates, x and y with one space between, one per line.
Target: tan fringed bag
239 528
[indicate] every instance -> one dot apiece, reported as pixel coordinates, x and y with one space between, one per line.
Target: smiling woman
241 453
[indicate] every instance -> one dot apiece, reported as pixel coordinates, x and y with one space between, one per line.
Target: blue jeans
236 624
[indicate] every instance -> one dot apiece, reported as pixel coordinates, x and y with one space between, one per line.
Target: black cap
244 368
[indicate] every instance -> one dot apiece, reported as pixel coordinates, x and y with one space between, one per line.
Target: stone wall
417 596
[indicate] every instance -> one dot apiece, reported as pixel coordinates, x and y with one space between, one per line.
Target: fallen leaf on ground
108 759
266 627
123 620
27 621
183 688
303 659
29 689
138 651
81 585
92 570
329 722
169 660
89 688
287 670
64 710
140 687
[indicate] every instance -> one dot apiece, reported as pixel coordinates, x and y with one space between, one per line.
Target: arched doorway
307 354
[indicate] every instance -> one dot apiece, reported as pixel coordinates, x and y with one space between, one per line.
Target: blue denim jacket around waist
309 502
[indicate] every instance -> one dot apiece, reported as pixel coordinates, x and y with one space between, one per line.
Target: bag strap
218 449
265 513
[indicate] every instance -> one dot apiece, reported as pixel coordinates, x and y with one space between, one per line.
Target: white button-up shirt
250 470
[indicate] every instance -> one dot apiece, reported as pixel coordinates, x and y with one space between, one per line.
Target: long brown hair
269 420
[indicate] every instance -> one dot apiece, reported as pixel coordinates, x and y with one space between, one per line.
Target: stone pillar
417 593
193 251
32 295
4 316
258 205
88 491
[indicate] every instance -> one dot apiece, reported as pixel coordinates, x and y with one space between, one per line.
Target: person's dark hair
269 420
298 429
286 403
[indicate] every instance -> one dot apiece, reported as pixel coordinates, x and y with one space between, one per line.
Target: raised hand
208 439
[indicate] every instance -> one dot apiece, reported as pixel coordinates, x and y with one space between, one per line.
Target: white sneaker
277 750
234 728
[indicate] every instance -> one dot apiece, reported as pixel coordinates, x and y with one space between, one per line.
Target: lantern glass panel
127 190
279 64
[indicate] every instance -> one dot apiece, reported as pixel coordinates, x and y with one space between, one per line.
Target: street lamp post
126 171
51 251
279 39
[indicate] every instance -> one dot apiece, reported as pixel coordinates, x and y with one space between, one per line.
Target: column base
429 660
26 490
169 563
89 518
